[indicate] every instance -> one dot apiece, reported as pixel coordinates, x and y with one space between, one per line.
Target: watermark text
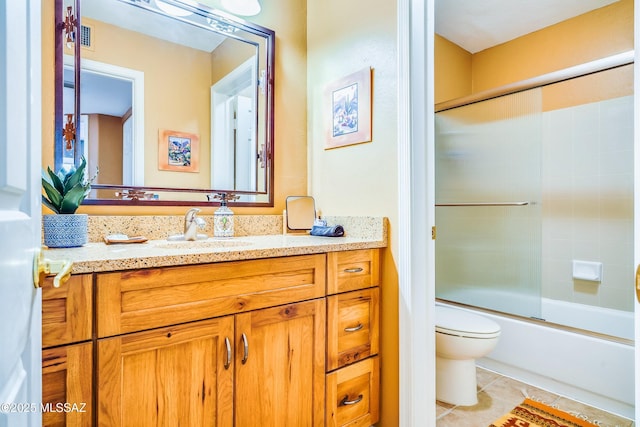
43 407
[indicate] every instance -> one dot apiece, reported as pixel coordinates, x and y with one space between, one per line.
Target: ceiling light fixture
242 7
171 9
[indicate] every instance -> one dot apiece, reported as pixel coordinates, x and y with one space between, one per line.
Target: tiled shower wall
587 202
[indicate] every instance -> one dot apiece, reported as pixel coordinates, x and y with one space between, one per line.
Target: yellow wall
597 34
452 70
105 146
228 56
288 19
592 88
591 36
345 37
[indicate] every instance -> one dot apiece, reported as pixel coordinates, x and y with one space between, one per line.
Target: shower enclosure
534 200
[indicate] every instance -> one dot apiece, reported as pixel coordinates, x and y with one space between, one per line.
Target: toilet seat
461 323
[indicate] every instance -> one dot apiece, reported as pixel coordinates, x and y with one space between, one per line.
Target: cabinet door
66 311
66 385
280 366
178 375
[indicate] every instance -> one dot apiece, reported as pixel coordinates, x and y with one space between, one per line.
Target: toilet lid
462 323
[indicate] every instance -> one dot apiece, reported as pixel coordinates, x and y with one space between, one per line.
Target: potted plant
65 191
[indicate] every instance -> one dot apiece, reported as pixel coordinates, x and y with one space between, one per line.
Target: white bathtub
616 323
589 369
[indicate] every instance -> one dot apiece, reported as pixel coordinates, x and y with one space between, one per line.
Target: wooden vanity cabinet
67 355
353 338
289 341
269 372
252 366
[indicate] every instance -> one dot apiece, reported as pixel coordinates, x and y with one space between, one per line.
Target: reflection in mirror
173 108
65 154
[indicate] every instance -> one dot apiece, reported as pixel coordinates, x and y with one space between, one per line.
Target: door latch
44 266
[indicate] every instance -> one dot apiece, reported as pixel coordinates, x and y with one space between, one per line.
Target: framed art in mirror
178 151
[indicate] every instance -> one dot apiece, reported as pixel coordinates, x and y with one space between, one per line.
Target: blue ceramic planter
65 230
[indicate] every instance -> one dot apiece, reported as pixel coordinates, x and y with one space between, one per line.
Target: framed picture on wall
178 151
348 110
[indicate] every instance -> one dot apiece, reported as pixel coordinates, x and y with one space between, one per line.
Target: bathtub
595 370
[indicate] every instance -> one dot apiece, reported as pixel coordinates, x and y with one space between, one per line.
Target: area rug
535 414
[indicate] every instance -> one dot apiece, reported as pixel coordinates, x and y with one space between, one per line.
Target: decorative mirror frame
70 129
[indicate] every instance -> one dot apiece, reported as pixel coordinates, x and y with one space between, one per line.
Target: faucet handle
224 197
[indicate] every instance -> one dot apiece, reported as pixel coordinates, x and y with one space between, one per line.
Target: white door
127 151
246 153
416 266
20 207
636 149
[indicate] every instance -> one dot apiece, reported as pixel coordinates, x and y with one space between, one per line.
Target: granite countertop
100 257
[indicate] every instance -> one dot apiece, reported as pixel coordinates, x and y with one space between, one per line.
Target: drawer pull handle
354 328
353 270
227 362
245 344
345 401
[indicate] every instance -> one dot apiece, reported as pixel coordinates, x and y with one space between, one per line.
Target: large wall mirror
171 100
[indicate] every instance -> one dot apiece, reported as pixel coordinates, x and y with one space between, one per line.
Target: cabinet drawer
351 270
66 311
353 394
353 328
130 301
67 385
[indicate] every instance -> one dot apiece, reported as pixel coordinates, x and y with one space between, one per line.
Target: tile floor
497 395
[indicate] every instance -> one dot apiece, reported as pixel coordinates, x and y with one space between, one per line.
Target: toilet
461 338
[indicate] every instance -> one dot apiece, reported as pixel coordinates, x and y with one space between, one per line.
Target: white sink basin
180 237
202 244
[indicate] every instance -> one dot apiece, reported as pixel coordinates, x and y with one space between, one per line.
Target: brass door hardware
44 266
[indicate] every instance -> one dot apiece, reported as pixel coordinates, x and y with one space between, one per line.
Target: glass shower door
488 191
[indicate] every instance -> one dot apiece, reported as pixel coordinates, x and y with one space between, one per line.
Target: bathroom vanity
269 330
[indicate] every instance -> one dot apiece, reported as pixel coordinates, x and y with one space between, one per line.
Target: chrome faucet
191 224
